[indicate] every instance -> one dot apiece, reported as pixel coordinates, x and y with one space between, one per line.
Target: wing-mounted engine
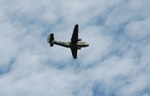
79 48
79 39
50 39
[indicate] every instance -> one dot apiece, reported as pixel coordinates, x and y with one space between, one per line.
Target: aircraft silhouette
74 45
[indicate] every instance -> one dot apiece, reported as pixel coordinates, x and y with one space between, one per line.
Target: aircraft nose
87 44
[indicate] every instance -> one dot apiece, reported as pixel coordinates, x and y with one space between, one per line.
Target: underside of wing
74 53
74 38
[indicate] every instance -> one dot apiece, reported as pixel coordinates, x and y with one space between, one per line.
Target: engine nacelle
79 48
79 39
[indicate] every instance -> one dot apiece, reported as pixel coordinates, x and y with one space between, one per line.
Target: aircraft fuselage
77 45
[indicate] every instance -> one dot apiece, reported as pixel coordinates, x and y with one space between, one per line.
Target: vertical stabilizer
50 39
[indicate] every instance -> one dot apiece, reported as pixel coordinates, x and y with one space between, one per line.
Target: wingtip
74 57
77 25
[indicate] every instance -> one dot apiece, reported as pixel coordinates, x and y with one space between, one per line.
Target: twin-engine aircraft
74 45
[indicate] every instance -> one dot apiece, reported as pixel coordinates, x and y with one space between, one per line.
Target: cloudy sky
117 62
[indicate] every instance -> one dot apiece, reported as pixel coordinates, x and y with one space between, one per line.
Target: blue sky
115 64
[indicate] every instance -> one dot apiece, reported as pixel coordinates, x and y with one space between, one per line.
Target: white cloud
116 62
139 29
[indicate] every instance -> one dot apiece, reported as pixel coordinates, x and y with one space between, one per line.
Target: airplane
74 45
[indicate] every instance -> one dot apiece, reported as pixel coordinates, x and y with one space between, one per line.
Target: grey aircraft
74 45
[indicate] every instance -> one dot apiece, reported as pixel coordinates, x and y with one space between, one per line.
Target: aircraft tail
50 39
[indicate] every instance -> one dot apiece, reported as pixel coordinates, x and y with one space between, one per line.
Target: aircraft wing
74 52
74 38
